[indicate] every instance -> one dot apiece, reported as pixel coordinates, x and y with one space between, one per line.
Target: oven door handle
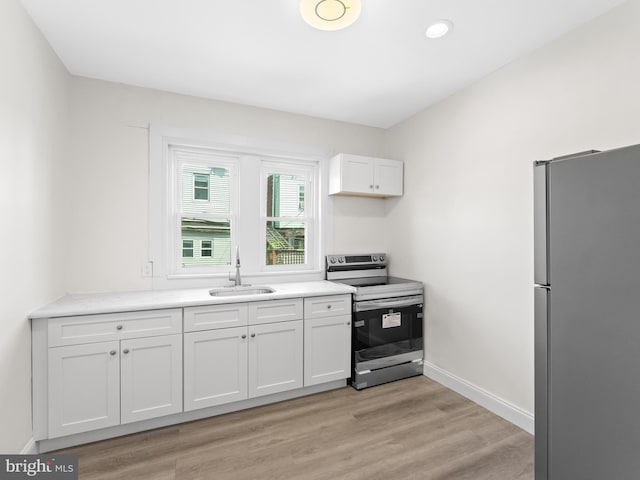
388 303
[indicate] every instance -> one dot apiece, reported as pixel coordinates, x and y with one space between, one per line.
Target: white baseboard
506 410
30 448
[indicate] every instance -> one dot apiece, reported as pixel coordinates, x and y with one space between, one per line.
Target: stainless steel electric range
387 337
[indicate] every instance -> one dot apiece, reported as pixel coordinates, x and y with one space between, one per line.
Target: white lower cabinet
327 339
151 377
84 387
231 364
93 372
103 384
327 349
108 369
224 365
275 357
215 367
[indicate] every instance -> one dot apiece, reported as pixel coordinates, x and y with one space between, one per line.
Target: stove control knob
332 259
374 258
382 258
341 260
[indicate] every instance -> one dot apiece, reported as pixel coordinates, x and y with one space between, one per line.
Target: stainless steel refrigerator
587 316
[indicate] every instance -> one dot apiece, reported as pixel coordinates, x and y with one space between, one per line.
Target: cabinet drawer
275 311
113 326
329 306
209 317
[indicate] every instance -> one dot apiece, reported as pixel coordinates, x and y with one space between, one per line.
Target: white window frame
248 233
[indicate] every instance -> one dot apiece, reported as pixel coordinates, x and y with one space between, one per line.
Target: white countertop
87 304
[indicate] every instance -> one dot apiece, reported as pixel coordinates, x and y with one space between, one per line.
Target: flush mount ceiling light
439 29
330 14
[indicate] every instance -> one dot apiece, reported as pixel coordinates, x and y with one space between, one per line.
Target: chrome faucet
237 278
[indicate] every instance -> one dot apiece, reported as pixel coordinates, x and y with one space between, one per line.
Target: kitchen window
201 221
208 197
286 221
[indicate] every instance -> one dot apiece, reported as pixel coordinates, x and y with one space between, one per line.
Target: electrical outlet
147 269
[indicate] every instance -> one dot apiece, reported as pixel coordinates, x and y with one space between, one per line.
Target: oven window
387 332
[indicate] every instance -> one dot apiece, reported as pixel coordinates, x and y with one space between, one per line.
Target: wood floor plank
411 429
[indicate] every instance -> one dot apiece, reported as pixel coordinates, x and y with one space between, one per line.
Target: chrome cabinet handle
112 352
348 323
329 307
377 186
119 327
253 335
125 351
371 186
243 336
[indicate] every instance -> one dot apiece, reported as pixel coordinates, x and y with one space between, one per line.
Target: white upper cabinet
365 176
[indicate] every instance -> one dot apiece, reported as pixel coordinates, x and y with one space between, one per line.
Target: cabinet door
151 370
388 177
275 357
357 174
84 388
215 367
327 349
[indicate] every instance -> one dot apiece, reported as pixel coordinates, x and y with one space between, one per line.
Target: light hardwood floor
410 429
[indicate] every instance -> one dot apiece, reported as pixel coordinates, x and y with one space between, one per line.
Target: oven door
387 332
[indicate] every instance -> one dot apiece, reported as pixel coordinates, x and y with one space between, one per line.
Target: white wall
106 213
465 223
33 111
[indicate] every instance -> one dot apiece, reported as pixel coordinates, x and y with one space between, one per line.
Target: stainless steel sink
240 290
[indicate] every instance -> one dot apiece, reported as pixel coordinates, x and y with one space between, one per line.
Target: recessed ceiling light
330 14
439 29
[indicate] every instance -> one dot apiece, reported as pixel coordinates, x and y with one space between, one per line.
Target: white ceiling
377 72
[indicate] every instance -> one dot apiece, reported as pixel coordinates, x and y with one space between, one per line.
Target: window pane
201 180
285 243
215 241
200 186
200 194
301 198
212 184
187 248
206 248
285 195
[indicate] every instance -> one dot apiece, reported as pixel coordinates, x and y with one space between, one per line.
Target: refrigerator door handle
541 329
540 223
